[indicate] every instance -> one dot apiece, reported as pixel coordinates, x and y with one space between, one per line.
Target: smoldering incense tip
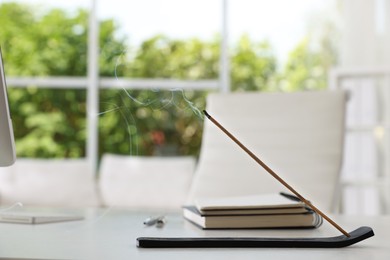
206 114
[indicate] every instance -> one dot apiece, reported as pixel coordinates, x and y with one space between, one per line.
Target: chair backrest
298 135
149 183
49 182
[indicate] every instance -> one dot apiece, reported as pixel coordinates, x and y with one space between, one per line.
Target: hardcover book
260 211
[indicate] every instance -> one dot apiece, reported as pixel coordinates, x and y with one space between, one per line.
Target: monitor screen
7 147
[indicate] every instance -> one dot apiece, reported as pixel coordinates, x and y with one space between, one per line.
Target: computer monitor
7 145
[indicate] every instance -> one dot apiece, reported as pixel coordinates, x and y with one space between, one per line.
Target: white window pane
284 23
141 20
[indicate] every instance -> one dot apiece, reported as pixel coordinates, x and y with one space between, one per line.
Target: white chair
149 183
298 135
48 182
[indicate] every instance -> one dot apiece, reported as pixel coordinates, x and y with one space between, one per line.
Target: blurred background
91 77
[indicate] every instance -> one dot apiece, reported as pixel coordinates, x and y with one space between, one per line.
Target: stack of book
259 211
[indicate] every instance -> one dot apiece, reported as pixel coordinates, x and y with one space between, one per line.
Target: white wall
365 33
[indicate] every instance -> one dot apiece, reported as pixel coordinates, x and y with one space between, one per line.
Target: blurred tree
307 67
51 122
161 57
171 114
147 122
253 65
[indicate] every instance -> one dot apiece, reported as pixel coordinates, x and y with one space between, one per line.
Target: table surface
111 234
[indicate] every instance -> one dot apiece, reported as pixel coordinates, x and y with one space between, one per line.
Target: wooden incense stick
270 171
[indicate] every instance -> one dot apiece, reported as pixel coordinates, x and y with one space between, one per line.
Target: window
109 65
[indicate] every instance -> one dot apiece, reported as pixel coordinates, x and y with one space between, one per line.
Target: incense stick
277 177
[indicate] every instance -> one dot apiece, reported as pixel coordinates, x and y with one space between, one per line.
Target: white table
112 233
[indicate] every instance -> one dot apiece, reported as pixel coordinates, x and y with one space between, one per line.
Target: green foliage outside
253 66
52 122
